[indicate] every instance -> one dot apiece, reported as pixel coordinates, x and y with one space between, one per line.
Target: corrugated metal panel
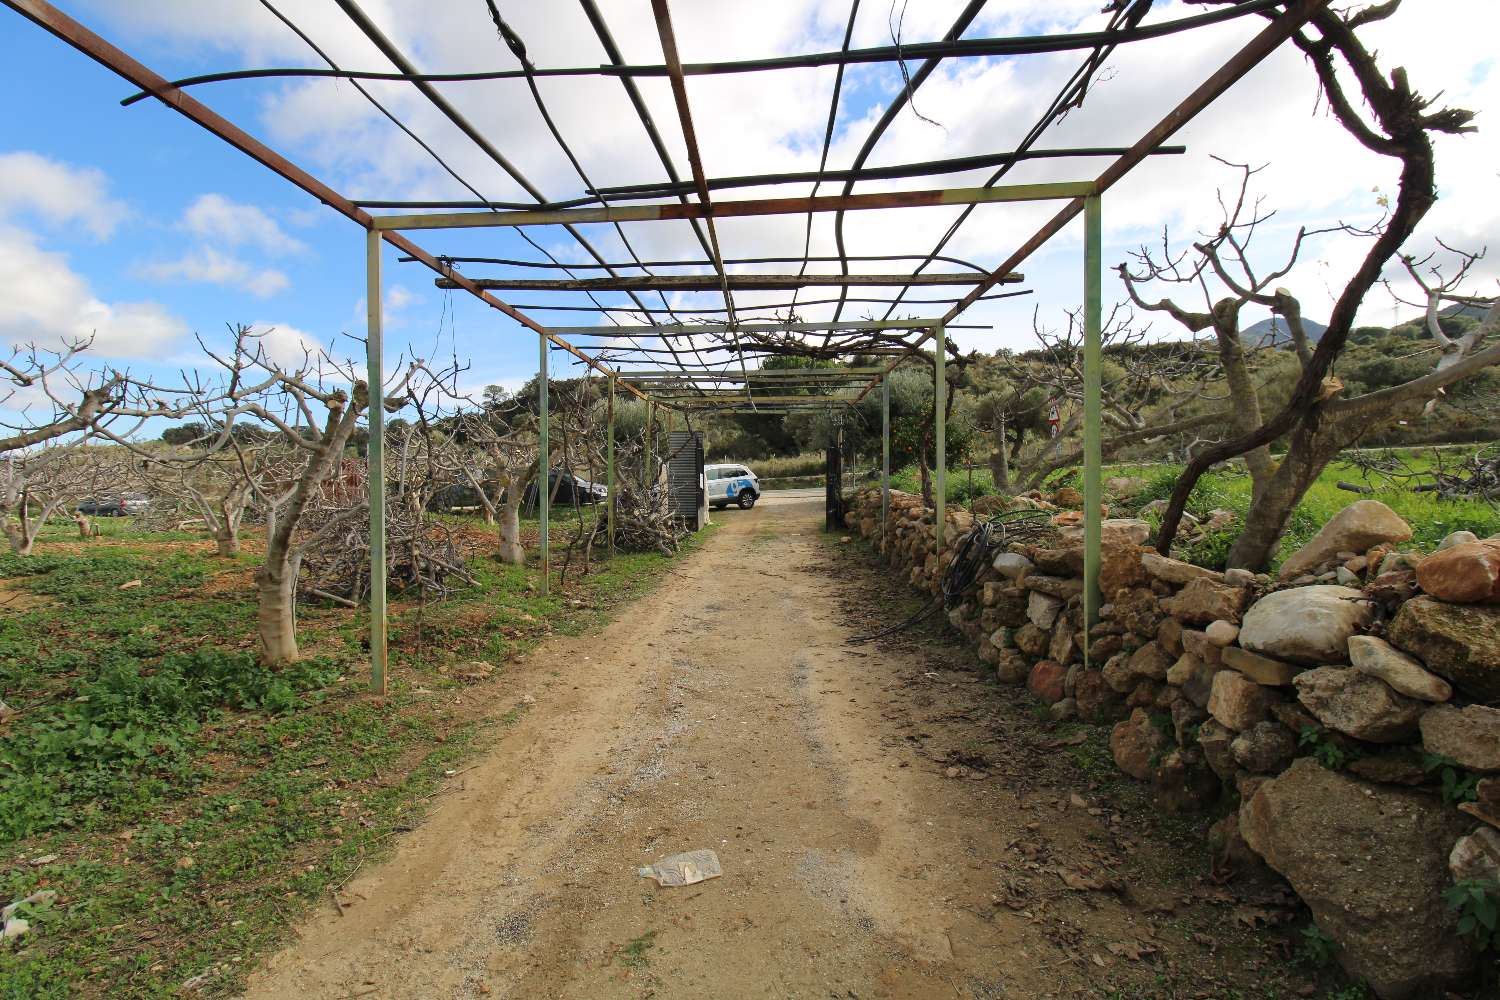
685 477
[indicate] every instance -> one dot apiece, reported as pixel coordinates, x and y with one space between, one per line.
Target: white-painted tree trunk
227 539
512 552
21 540
275 584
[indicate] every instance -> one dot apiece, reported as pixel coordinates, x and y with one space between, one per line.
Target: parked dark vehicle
566 487
132 503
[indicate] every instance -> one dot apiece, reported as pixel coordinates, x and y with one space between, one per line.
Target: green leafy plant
1458 785
129 731
1212 550
636 954
1324 750
1315 948
1477 904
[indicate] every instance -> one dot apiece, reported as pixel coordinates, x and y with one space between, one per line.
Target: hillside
1272 331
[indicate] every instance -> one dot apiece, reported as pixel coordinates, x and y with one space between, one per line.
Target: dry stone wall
1344 713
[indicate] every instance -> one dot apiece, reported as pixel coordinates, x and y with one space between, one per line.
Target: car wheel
747 499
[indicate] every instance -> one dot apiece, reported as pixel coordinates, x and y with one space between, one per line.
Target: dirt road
863 857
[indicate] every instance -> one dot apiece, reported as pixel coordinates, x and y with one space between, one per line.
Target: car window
716 473
740 473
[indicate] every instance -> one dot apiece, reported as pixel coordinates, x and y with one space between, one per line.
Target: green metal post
609 477
939 398
375 377
885 457
1093 305
544 467
649 458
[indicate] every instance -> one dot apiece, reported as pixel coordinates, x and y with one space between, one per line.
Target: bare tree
312 409
499 462
1223 263
1147 393
1391 119
49 394
1438 290
218 487
39 484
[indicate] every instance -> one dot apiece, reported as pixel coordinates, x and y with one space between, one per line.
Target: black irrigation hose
972 556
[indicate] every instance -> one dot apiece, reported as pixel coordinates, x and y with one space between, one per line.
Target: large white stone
1305 624
1357 527
1012 565
1042 609
1403 673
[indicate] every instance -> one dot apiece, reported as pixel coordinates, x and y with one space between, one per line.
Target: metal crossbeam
741 209
757 374
759 326
715 283
697 402
1247 58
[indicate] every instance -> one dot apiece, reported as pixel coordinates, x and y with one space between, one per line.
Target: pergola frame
1081 198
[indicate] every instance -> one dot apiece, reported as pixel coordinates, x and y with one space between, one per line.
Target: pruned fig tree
1386 115
1222 269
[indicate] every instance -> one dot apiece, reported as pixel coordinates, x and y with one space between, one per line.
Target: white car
727 484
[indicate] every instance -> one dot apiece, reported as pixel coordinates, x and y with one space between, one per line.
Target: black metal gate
833 489
685 477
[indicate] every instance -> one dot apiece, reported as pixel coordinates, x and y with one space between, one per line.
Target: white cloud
219 222
48 303
206 265
215 217
58 193
287 345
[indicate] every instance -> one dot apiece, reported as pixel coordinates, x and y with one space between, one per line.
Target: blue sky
146 228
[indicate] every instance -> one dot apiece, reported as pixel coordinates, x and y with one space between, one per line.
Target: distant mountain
1272 331
1457 309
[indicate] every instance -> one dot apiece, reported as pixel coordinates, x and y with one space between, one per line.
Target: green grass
962 487
197 803
777 467
1430 517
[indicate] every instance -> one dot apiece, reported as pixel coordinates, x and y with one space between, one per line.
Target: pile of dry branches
642 522
1474 477
423 557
